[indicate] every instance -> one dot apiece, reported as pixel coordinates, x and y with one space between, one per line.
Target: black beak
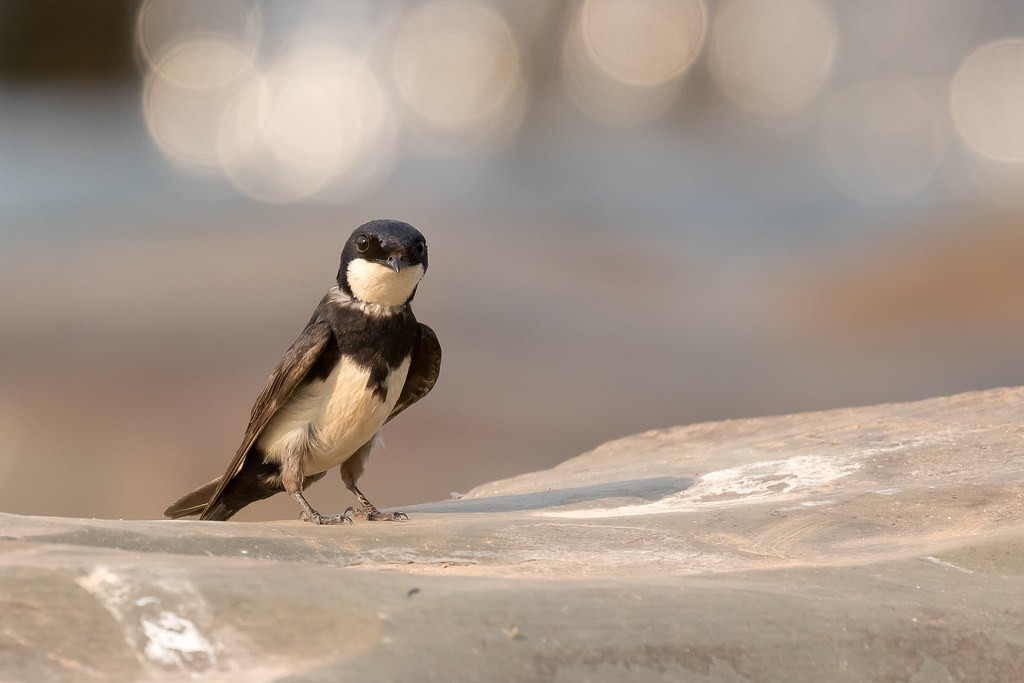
395 263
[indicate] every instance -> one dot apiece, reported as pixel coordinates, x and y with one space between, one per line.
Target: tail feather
220 512
194 502
257 480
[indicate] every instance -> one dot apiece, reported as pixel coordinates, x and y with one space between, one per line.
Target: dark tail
196 502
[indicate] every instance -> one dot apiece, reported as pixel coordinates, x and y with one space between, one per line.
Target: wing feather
423 371
286 378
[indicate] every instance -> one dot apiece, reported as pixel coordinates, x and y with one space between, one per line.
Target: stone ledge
884 542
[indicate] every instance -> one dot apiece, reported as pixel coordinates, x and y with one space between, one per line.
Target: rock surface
881 543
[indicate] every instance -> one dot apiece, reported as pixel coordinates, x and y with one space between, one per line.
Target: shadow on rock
654 488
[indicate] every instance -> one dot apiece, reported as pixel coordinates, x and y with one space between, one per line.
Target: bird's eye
420 247
362 243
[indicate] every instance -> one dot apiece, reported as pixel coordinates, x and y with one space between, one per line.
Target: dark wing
286 378
423 371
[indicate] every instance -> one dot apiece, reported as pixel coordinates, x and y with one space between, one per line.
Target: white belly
329 420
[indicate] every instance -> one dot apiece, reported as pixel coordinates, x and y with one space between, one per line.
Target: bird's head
382 263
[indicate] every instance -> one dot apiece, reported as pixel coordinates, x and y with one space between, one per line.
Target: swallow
360 361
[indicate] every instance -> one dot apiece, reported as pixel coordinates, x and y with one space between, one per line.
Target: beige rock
879 543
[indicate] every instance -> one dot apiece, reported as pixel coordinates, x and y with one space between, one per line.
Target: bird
361 360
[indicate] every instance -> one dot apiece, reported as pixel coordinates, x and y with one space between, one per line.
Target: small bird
361 360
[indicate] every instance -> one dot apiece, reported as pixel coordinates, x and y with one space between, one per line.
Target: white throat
378 284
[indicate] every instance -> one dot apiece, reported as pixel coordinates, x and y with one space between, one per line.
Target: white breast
332 418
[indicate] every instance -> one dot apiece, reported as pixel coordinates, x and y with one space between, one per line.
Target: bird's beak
395 263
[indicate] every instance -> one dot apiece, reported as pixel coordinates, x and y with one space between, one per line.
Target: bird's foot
316 518
372 514
369 511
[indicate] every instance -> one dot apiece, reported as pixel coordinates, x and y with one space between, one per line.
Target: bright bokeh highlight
311 120
457 69
771 57
320 124
624 60
987 100
185 94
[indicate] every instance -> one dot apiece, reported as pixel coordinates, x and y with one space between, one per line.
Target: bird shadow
650 489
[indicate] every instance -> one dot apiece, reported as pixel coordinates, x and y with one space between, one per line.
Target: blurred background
641 213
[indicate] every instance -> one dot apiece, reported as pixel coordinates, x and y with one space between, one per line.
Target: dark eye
420 247
362 243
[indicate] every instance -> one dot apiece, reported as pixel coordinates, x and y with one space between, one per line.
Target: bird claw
375 515
317 518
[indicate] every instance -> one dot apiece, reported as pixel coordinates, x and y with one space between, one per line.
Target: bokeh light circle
642 42
162 24
770 57
623 60
880 141
321 124
185 94
987 100
457 68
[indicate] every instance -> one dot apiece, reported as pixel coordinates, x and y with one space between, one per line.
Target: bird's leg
293 480
311 515
351 470
369 511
